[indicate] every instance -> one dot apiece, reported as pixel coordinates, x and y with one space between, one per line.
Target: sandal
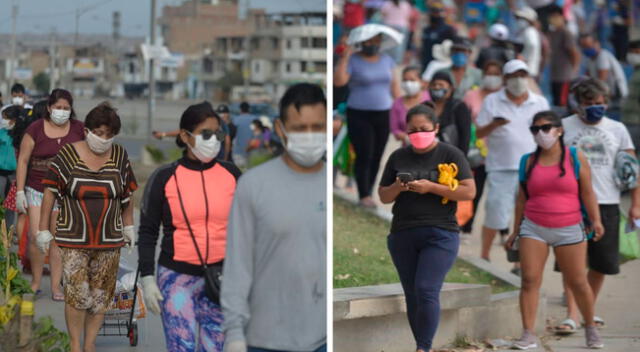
57 297
561 329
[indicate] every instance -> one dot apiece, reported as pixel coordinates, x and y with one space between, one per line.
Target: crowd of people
224 277
524 101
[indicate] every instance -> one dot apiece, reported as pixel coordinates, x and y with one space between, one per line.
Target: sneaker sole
596 347
534 345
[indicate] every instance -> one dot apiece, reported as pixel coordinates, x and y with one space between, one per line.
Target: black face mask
370 49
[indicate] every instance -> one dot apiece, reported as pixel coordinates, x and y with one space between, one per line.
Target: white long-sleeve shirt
532 51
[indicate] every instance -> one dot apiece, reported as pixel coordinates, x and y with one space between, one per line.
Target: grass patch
361 258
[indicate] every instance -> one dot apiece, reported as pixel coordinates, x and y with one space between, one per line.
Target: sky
41 16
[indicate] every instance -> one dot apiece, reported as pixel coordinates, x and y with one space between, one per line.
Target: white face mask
491 82
98 144
205 150
633 59
59 116
546 140
517 86
411 88
17 101
305 148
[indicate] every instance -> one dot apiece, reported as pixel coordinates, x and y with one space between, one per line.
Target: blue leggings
192 323
422 257
322 348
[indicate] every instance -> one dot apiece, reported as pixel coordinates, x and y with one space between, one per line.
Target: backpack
573 152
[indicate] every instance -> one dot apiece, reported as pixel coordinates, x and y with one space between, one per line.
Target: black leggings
368 131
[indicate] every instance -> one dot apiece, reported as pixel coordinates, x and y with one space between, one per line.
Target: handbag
212 273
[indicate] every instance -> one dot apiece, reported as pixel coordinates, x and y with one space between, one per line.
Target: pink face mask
422 140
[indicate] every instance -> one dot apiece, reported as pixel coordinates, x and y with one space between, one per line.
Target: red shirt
354 15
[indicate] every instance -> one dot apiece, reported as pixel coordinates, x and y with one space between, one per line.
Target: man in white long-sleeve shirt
530 38
274 280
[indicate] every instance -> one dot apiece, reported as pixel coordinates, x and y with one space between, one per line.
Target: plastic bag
629 243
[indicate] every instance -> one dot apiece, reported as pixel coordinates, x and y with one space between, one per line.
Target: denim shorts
34 198
556 236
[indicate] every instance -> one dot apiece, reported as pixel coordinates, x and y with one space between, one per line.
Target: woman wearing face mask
191 199
41 142
414 94
491 83
93 182
424 231
453 115
548 214
372 89
9 115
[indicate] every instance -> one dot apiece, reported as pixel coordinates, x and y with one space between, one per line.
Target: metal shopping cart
126 309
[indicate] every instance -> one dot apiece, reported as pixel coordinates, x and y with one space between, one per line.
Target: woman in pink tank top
548 215
41 142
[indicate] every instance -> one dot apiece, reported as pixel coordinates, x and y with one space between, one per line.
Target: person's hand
21 202
158 135
420 186
348 51
509 242
499 122
235 346
400 136
634 213
129 233
43 239
598 228
401 185
152 294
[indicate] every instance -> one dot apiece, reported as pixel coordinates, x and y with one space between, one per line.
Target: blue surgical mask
594 113
590 52
438 94
459 59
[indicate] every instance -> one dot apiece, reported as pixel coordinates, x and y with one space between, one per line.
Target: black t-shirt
413 209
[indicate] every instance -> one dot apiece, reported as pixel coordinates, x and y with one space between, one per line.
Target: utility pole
14 18
152 78
52 60
247 52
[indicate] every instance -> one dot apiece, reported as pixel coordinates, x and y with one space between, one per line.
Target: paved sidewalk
618 304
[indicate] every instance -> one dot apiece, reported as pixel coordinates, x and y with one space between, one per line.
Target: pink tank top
553 200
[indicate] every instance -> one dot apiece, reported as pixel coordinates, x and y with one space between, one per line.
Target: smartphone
500 118
405 177
513 254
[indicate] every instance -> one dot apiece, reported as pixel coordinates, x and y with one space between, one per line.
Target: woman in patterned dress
93 182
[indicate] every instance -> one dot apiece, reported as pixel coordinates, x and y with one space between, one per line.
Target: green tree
41 82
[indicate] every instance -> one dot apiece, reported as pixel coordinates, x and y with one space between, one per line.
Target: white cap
527 13
514 66
499 31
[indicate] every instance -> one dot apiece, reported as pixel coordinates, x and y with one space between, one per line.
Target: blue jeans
322 348
423 256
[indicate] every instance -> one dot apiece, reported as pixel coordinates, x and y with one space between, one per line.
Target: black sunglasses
206 134
544 128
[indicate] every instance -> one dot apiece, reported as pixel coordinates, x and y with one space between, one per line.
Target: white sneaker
526 341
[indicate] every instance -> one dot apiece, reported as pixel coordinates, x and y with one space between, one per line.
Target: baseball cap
499 31
514 66
461 43
222 108
527 13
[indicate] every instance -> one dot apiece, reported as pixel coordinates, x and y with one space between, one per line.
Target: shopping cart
126 309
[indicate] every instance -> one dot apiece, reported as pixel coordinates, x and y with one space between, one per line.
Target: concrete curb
477 262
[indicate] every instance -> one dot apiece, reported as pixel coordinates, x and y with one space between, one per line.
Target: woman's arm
127 213
48 199
26 148
227 147
341 76
388 194
517 220
588 196
396 91
466 189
